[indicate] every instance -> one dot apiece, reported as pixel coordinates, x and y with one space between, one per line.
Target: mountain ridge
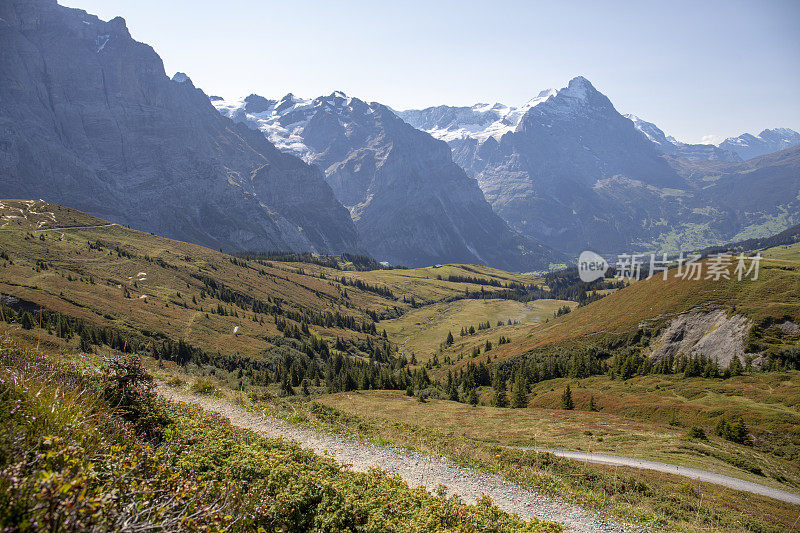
574 174
748 146
411 203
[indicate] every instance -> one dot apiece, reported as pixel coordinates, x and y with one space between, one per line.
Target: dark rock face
410 202
89 119
748 146
757 188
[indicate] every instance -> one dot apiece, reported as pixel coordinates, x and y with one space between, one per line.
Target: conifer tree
519 394
473 396
592 405
500 396
566 400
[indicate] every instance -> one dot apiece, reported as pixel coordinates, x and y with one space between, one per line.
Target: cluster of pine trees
511 380
376 289
359 262
296 357
274 306
511 285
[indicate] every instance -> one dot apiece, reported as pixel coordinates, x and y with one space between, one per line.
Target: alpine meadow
224 309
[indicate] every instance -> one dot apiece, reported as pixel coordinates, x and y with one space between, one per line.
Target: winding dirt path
693 473
415 468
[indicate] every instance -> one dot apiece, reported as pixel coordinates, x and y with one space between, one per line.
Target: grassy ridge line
63 445
107 288
619 315
789 253
37 215
63 273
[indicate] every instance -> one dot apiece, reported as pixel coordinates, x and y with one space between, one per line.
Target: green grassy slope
654 302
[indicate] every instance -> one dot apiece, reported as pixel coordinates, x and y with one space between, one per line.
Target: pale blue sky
695 68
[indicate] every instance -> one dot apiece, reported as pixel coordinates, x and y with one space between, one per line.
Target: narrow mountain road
414 468
693 473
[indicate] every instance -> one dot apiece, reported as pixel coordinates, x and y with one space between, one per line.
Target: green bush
733 430
128 388
696 433
203 386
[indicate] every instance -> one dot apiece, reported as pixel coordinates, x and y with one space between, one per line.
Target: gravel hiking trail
693 473
415 468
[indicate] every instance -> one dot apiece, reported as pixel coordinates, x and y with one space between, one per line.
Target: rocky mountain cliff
572 173
89 118
410 202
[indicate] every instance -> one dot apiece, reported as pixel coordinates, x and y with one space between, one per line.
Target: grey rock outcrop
712 334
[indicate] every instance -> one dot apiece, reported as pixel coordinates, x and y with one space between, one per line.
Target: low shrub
696 433
204 386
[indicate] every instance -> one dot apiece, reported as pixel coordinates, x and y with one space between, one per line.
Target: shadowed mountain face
571 172
410 202
88 118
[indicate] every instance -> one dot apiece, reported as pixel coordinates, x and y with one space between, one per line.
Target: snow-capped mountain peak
285 121
578 87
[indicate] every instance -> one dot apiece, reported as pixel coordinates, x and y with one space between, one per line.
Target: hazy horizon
700 72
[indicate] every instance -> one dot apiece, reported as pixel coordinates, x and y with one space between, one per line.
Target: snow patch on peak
284 121
651 131
479 121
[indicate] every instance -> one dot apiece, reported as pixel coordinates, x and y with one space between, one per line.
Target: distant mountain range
568 170
411 204
749 146
89 119
671 146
